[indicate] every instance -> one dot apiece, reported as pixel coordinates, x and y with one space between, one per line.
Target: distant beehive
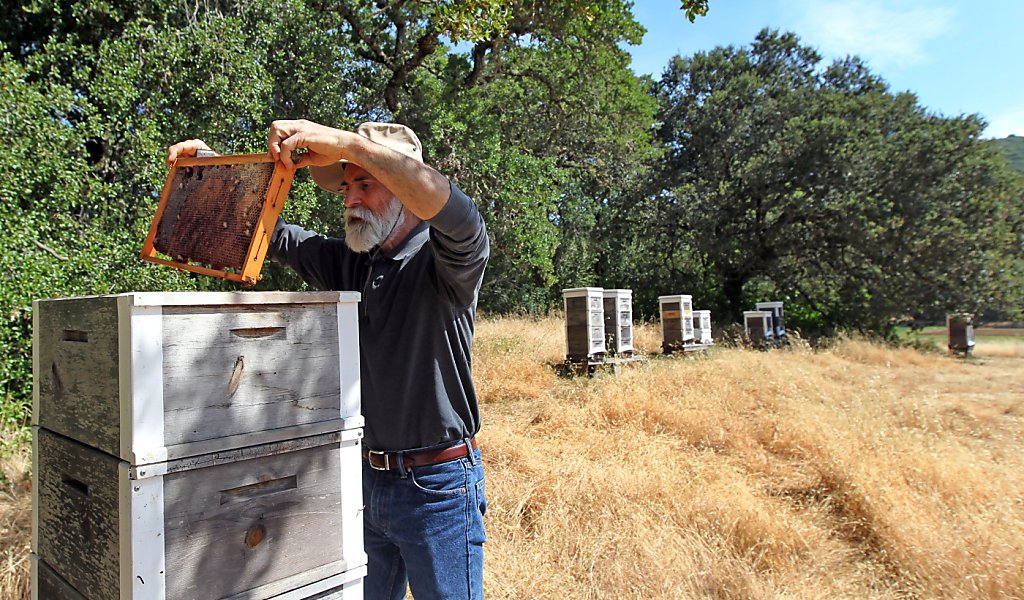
960 328
702 326
618 321
757 325
777 324
676 321
584 323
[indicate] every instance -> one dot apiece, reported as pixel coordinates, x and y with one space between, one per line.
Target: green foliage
694 8
1012 147
94 91
822 186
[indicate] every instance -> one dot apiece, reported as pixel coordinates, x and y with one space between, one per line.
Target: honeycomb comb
216 215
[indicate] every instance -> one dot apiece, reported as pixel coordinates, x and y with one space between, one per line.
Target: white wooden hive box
584 322
243 524
150 377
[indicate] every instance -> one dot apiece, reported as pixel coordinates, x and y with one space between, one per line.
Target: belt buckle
387 461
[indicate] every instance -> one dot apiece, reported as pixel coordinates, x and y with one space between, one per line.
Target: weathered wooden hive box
702 326
676 313
149 377
778 324
757 325
584 323
246 523
197 445
343 586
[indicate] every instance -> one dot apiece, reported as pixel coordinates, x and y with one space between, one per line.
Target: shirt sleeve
315 257
458 240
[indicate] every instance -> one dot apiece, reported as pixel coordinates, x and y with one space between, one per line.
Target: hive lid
582 291
217 214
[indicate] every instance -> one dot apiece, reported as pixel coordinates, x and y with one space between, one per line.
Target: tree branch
53 252
376 53
425 46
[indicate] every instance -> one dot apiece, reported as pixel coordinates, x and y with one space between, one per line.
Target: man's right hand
184 150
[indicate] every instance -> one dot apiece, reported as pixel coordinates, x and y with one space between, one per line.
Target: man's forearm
419 187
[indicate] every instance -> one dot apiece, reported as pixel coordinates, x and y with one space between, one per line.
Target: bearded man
416 247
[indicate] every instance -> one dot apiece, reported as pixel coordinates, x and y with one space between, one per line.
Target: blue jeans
425 528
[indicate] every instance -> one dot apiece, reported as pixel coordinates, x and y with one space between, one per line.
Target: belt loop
401 464
469 450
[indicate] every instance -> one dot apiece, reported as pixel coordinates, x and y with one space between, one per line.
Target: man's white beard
373 229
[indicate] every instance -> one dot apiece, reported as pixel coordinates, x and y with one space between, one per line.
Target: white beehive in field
618 321
197 445
960 332
676 313
757 325
702 326
778 324
584 324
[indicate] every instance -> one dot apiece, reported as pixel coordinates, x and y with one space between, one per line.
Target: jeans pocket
481 491
445 479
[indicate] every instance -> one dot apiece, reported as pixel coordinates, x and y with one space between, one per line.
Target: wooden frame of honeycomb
217 215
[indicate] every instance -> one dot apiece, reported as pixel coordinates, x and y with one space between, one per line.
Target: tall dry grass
15 519
857 472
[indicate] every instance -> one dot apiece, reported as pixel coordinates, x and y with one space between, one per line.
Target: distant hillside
1013 148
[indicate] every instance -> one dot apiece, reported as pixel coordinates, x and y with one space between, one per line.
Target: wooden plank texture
147 382
578 340
576 305
584 317
237 526
48 585
295 587
272 520
344 586
232 370
77 513
238 298
76 370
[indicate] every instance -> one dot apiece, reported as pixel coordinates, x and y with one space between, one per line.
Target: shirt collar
412 242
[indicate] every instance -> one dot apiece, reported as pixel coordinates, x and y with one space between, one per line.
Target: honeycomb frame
217 214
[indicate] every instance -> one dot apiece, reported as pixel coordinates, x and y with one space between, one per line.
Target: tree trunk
732 289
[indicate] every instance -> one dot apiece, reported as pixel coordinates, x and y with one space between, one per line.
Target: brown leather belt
388 461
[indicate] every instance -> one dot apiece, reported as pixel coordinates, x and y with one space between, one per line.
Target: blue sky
958 56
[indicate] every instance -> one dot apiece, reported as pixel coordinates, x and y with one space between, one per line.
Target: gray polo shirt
415 321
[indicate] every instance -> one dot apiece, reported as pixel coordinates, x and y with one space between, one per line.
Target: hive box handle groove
74 485
256 332
255 490
75 335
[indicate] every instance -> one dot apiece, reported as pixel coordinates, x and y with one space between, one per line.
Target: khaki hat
397 137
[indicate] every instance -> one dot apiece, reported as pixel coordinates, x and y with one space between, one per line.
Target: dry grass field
861 471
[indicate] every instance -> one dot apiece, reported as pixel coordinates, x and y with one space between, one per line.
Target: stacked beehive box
676 321
702 326
757 325
197 445
778 325
584 324
618 321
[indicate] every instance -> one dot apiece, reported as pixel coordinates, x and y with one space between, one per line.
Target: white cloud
1006 123
884 33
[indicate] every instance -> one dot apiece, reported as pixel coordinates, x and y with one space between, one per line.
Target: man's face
371 210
